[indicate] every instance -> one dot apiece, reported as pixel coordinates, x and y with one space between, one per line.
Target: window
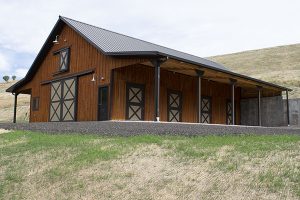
35 103
64 60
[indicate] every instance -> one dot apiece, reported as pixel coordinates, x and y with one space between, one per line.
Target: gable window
63 60
35 103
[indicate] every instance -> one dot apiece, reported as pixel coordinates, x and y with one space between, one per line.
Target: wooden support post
157 89
233 82
111 93
259 105
156 63
200 74
287 108
15 108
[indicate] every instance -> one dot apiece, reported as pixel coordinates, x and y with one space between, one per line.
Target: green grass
29 158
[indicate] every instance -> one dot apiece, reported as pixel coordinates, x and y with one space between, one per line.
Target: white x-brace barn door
63 100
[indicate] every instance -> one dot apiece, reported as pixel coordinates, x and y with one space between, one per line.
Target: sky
199 27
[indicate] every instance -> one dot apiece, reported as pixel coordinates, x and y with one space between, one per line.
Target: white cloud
200 27
20 72
4 64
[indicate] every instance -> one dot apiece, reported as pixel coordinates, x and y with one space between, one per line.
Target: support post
287 108
156 63
259 105
233 82
111 93
15 108
200 74
156 89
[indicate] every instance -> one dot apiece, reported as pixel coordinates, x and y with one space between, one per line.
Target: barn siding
83 56
219 93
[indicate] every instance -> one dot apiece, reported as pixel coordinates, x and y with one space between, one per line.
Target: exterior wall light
56 40
95 76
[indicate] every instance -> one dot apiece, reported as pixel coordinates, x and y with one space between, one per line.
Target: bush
6 78
13 77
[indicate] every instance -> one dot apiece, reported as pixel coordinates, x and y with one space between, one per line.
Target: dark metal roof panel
110 42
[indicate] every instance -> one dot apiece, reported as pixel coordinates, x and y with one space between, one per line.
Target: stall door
229 112
206 110
135 94
174 106
63 100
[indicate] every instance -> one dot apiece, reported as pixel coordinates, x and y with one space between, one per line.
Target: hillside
280 65
7 103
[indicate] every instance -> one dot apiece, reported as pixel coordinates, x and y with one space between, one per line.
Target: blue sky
202 28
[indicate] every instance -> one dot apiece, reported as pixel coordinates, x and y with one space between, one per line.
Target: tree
13 77
6 78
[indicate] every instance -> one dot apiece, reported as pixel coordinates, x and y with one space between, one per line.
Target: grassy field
41 166
280 65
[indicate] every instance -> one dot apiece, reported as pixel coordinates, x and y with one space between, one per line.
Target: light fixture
56 40
95 78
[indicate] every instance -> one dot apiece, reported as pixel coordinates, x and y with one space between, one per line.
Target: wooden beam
259 105
111 92
15 108
156 64
233 82
82 73
199 95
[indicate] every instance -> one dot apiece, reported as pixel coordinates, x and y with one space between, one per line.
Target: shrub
6 78
13 77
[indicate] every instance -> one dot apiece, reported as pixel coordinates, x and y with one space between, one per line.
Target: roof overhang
201 66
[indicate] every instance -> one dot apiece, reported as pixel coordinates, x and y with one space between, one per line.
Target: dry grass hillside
7 103
280 65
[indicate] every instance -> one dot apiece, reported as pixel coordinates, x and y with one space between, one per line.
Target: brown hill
280 65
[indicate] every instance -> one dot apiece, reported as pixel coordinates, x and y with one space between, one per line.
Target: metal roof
115 44
112 43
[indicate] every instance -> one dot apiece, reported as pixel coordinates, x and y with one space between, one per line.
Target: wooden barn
86 73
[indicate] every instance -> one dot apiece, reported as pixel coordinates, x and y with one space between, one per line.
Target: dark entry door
63 100
103 103
135 102
174 106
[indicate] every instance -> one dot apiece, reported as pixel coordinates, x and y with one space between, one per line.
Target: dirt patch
4 131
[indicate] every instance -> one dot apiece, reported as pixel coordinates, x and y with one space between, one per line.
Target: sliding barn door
174 106
63 100
135 101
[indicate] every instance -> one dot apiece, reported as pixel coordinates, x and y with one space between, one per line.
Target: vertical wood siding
83 56
219 93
